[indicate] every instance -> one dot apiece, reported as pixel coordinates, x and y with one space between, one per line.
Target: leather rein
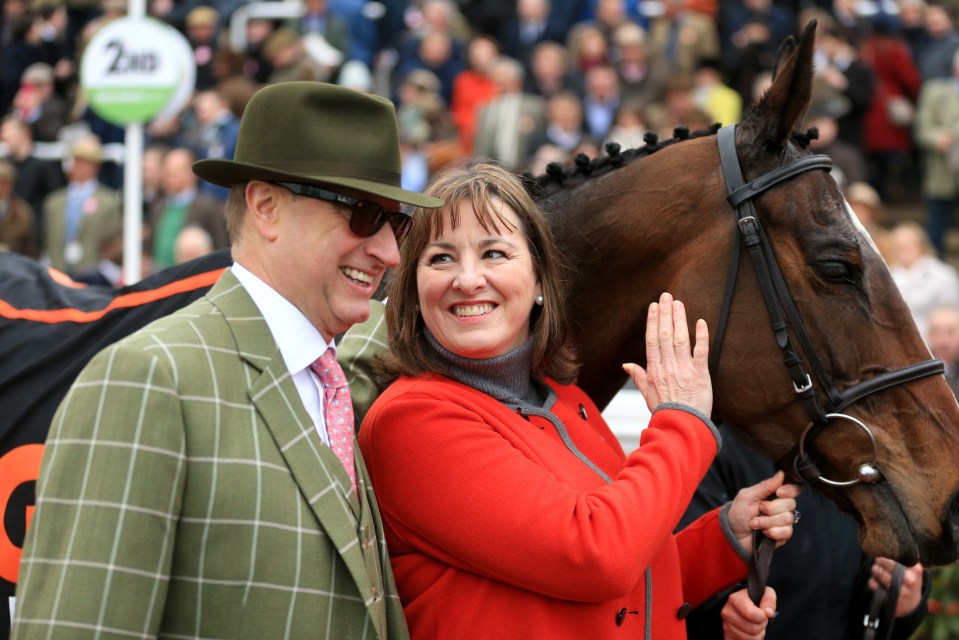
783 316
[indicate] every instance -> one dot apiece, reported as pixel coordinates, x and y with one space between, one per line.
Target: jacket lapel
314 467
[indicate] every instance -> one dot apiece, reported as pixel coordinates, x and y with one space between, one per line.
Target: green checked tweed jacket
184 493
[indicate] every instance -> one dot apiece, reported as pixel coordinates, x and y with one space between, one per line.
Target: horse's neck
624 250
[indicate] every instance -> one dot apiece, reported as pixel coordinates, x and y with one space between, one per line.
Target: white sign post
133 69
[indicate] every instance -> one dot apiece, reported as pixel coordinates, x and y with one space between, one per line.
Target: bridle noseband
784 316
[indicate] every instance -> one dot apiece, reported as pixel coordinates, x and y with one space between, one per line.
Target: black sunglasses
366 217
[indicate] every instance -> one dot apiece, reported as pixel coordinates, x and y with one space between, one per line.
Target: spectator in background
943 339
844 86
36 178
37 37
287 56
214 133
75 216
108 271
38 104
438 53
850 19
587 46
192 242
925 282
255 65
937 44
889 119
848 161
201 32
679 109
683 35
152 171
182 204
508 125
325 35
437 43
937 136
473 87
545 155
710 94
601 100
912 21
639 75
751 32
550 71
564 122
630 124
361 36
521 33
428 137
610 15
16 217
318 19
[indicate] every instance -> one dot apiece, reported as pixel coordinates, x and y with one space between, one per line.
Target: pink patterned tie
337 409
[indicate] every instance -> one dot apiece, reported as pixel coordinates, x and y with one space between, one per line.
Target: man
214 133
182 204
943 339
37 104
187 487
16 216
36 178
507 125
74 216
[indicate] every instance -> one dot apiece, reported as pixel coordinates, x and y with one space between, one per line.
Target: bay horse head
824 371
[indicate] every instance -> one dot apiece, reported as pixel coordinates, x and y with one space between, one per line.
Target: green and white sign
136 68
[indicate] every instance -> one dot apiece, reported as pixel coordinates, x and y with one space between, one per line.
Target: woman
509 507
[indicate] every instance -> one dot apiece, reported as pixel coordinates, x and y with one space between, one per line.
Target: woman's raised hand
675 371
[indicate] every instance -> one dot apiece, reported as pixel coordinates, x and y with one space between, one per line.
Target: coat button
684 611
375 592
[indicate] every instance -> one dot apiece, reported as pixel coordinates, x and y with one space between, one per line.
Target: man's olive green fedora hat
317 133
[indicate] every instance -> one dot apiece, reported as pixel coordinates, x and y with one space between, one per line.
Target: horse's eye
838 272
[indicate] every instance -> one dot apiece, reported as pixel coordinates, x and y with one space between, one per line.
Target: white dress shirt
297 339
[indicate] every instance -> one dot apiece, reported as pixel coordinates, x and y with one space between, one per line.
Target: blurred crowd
528 82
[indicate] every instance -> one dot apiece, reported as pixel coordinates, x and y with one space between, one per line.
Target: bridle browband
783 315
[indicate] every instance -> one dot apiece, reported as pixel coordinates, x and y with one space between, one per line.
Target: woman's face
477 289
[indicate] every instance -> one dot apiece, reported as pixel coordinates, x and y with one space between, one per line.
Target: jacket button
375 592
684 611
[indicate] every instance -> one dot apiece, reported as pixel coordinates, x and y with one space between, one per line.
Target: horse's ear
782 108
782 54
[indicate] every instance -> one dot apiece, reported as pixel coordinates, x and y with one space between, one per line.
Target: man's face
316 262
83 170
177 174
943 335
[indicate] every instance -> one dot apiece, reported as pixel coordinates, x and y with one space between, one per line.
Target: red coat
896 75
496 530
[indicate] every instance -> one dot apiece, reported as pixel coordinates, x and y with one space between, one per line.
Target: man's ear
262 204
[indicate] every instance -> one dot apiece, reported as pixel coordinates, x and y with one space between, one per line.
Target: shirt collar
83 189
297 339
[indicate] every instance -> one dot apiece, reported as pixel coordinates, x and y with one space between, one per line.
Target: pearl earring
539 300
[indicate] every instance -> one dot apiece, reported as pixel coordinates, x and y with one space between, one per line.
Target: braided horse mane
558 177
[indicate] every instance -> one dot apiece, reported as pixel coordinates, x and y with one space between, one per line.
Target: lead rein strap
882 608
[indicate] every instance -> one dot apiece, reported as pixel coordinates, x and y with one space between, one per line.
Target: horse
675 216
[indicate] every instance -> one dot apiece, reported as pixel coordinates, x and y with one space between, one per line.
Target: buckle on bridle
804 388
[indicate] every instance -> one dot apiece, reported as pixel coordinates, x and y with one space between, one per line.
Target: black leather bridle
783 315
